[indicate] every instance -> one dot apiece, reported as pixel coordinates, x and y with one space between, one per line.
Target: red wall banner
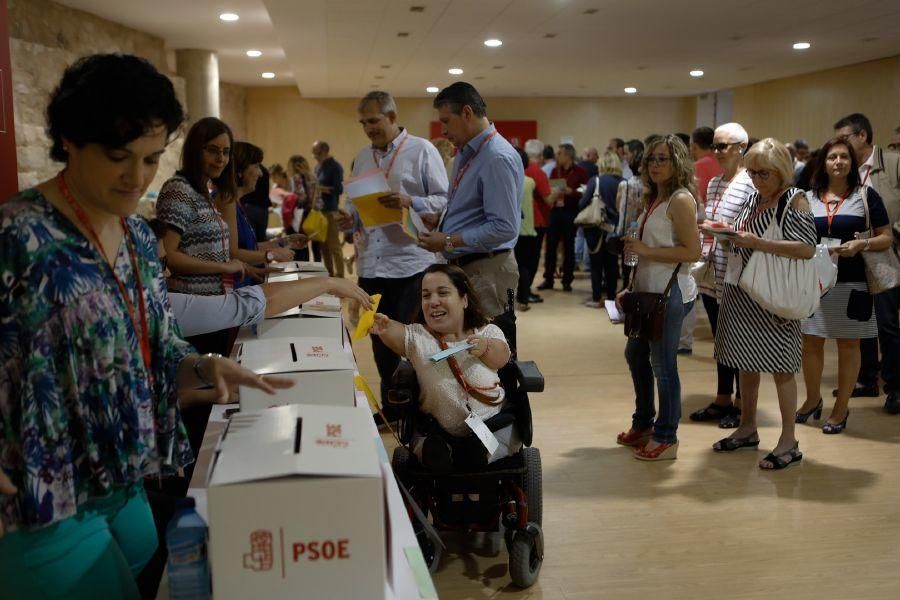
515 132
9 178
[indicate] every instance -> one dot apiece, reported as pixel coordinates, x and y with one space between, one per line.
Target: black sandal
731 420
782 461
730 444
712 412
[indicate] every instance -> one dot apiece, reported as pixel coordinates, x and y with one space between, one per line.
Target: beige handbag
882 266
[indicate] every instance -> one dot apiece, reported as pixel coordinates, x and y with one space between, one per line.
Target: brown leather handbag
645 312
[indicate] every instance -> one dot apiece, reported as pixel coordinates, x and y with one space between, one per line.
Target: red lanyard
393 158
829 216
646 218
227 278
144 330
712 240
868 172
465 167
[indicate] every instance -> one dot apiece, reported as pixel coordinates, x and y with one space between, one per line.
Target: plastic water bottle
631 259
188 563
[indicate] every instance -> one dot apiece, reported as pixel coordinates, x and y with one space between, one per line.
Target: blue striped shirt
484 208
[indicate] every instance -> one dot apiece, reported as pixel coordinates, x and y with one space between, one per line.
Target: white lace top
442 396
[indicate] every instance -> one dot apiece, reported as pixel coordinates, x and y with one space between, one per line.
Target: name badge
734 268
484 434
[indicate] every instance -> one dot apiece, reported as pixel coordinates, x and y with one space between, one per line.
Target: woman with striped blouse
838 202
749 337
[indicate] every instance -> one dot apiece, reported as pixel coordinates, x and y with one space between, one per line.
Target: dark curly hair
473 316
111 100
819 178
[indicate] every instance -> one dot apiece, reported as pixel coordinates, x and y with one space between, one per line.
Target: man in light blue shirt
483 216
390 260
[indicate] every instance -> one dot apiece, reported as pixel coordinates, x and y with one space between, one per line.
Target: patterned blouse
204 234
78 415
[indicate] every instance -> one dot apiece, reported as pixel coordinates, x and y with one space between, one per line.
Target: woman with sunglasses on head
749 337
668 241
845 314
92 359
726 195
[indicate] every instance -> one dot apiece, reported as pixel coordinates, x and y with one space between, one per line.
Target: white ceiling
336 48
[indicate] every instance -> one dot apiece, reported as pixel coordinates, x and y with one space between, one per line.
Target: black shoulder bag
645 312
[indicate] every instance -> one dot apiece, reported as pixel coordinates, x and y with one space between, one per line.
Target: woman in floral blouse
91 359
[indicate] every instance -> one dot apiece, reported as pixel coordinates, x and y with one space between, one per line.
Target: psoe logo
333 437
262 553
317 352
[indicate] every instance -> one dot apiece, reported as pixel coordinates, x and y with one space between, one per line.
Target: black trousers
528 253
562 230
728 382
604 267
400 302
536 258
887 305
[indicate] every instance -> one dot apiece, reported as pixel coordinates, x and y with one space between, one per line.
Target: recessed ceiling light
403 34
254 53
696 73
432 90
416 9
549 35
497 67
591 11
631 90
229 17
385 66
455 71
801 46
268 75
493 43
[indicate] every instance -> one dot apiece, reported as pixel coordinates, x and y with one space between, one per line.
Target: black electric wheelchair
503 497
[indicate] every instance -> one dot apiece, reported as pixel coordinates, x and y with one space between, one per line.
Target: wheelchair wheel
532 484
431 551
525 559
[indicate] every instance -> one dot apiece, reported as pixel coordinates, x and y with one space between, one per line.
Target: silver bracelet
199 363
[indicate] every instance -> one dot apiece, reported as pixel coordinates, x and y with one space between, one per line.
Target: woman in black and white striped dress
846 312
749 337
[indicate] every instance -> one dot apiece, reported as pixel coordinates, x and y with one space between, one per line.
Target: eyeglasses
846 137
762 174
216 151
723 146
658 160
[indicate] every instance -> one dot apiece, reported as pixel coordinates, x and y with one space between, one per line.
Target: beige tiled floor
705 525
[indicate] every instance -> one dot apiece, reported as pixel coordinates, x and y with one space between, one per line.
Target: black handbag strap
665 294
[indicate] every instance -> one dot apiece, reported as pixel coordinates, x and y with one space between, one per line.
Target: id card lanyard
141 329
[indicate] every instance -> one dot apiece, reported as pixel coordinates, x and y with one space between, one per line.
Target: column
200 70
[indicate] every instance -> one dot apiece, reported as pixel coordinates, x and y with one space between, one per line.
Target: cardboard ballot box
315 327
296 506
323 372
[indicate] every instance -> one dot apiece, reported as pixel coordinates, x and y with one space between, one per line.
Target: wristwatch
270 256
199 363
448 244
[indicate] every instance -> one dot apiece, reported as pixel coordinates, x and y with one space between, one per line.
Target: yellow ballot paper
364 190
367 319
412 224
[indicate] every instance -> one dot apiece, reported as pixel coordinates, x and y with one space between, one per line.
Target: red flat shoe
661 452
634 438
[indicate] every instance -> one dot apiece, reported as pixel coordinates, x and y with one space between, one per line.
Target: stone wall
45 38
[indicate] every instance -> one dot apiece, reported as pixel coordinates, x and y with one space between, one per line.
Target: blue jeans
658 360
582 252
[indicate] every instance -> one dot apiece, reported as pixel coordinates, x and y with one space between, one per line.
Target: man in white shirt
880 170
390 261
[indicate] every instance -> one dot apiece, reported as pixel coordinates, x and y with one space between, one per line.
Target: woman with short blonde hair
749 337
609 164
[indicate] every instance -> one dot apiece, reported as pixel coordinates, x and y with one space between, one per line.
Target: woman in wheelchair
466 384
